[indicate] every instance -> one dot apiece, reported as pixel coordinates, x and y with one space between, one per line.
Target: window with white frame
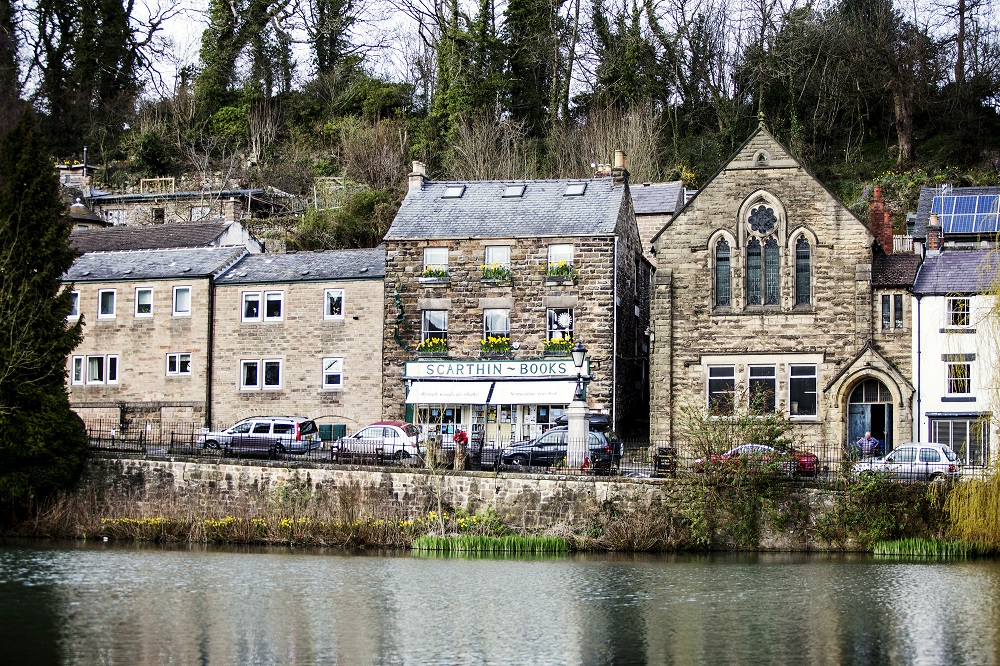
251 306
333 304
959 379
559 323
560 253
333 372
802 390
496 323
115 216
498 255
199 213
143 302
761 388
76 375
433 324
257 374
263 306
274 305
74 305
435 261
179 364
106 304
101 369
721 389
959 312
182 301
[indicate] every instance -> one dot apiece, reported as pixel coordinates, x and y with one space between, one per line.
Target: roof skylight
575 189
513 191
453 192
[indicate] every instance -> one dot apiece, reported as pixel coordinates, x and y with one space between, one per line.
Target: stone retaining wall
527 501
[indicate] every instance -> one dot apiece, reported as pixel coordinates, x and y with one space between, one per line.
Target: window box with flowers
434 275
560 272
494 347
558 346
498 274
433 348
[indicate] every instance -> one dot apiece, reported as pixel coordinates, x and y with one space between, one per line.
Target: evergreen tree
530 36
42 442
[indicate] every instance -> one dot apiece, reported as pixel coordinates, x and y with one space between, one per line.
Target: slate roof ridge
969 271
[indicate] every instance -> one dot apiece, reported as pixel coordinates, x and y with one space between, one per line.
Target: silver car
271 435
913 462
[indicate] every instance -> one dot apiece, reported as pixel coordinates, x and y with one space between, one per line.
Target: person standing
868 445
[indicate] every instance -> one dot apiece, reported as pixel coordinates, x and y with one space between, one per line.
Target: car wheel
518 461
211 444
399 456
937 478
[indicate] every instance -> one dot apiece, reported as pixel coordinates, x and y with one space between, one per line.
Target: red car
789 462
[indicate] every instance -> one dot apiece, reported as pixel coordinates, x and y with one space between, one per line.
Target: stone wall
525 501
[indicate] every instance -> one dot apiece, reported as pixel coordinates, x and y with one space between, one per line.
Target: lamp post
577 414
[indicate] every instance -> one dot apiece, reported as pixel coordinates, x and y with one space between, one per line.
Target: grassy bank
691 516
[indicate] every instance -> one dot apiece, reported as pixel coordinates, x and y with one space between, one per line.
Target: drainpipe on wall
614 344
920 419
208 356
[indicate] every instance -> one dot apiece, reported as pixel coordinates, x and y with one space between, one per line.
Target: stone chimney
933 235
619 173
878 219
418 176
232 209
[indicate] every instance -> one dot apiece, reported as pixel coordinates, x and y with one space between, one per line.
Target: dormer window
453 192
576 189
514 192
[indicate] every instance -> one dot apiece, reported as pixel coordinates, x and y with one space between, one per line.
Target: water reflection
128 604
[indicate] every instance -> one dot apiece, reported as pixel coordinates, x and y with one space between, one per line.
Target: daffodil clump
434 272
560 268
562 345
496 271
433 345
495 345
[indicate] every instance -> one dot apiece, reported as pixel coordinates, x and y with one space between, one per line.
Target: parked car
597 421
385 440
913 462
271 435
604 453
760 457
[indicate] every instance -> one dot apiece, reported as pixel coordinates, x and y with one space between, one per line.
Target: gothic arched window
723 296
753 272
802 272
771 271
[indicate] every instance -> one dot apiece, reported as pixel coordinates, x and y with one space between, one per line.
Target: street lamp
579 353
577 414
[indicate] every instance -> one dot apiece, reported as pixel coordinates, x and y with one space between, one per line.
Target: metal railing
603 456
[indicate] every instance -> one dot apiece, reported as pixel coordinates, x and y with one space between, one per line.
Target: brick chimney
878 219
619 173
933 235
418 176
232 209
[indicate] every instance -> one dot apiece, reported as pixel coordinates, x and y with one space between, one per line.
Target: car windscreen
307 427
949 454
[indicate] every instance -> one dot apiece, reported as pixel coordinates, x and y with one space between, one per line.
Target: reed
509 545
934 549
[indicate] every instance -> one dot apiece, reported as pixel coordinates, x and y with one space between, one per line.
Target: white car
384 440
270 435
913 462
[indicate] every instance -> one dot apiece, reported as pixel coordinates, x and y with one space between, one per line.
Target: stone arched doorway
870 409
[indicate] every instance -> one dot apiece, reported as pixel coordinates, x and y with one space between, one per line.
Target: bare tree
486 149
574 149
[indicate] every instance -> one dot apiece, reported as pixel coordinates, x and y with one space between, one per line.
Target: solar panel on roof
967 214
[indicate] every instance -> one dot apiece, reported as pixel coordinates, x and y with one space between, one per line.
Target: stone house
530 267
146 347
764 293
300 334
178 207
654 205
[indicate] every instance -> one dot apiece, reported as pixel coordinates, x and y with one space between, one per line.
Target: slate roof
152 264
101 197
895 270
198 234
956 272
482 212
926 200
308 267
79 212
657 198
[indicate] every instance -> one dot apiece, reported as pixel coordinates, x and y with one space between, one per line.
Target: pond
85 603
